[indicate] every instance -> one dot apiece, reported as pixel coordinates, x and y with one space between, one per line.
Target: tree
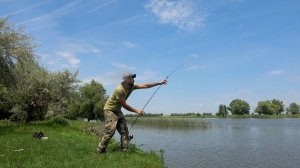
223 111
5 102
16 53
63 88
270 107
87 109
278 105
91 101
27 90
265 107
239 107
293 108
31 92
15 47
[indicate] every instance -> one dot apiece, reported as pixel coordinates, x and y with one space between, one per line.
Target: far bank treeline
240 107
267 107
29 92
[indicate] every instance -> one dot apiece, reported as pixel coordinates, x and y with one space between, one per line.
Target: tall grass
67 146
170 122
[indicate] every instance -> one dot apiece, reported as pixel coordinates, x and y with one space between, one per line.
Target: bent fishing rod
168 76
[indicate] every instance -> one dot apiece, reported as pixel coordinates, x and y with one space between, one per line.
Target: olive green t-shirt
113 101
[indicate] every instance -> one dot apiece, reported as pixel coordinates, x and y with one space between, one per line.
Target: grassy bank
67 146
170 121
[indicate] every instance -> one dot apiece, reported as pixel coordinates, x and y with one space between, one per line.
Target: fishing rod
167 77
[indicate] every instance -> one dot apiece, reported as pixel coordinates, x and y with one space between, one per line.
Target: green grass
170 121
68 146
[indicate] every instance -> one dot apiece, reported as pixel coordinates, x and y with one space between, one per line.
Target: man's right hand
140 112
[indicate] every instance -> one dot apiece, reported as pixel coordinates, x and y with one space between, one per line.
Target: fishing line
168 76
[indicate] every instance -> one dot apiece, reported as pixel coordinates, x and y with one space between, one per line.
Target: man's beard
130 84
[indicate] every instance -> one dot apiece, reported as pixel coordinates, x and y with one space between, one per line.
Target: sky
226 49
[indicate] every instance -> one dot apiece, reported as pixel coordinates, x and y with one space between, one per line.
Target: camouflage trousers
114 121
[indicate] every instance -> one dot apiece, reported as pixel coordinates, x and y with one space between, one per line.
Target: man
114 118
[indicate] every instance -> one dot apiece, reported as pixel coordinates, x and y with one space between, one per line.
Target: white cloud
195 56
148 76
23 10
123 66
232 1
46 58
70 58
191 68
58 12
113 78
102 5
275 72
181 13
109 78
79 47
130 44
66 52
197 104
49 62
194 67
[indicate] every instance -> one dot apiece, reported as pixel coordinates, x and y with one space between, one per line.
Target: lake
234 143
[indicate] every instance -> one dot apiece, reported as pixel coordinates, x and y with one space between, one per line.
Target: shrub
18 115
58 120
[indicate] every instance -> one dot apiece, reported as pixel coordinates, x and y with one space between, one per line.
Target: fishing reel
130 137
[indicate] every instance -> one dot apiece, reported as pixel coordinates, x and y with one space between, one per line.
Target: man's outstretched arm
149 85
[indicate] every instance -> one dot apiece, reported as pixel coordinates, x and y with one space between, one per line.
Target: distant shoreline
256 116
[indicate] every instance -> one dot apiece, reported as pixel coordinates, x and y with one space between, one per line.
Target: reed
170 122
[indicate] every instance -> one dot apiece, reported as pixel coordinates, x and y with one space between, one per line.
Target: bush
58 120
18 115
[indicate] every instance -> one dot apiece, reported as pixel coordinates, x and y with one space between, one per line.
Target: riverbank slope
73 145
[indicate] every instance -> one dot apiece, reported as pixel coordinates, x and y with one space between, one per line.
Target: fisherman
114 118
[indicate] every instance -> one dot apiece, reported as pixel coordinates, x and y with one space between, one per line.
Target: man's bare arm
149 85
129 108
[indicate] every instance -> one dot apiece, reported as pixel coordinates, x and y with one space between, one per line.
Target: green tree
91 101
265 107
239 107
270 107
293 108
5 102
74 106
87 109
28 91
15 47
63 88
31 94
40 93
223 111
278 105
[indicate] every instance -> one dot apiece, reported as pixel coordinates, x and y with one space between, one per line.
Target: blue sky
247 49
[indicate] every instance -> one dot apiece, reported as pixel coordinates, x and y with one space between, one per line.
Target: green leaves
239 107
293 108
90 101
27 90
270 107
15 48
223 110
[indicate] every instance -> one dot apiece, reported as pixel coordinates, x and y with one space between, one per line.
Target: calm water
238 143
